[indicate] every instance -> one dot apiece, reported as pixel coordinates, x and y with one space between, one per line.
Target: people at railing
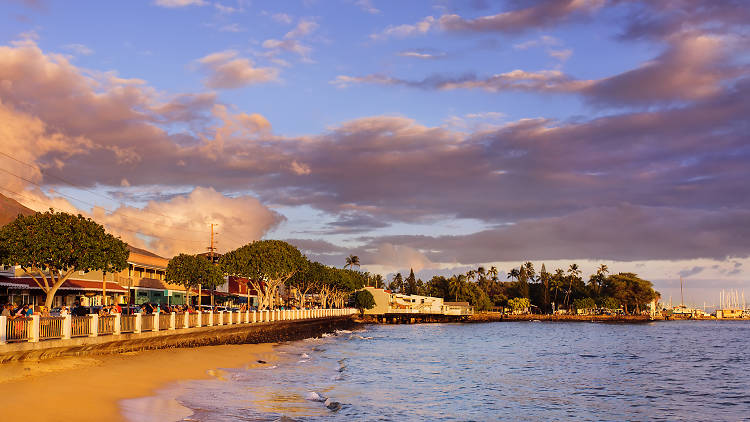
64 311
79 310
7 310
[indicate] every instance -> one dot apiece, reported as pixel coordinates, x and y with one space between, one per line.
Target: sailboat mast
682 296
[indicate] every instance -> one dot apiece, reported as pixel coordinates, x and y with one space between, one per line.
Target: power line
121 203
108 224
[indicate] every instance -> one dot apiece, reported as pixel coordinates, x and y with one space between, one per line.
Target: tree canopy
363 300
51 246
266 263
191 271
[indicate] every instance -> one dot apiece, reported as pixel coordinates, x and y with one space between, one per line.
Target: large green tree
266 263
630 290
192 271
363 300
51 246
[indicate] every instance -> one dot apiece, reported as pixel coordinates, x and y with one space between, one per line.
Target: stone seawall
497 317
267 332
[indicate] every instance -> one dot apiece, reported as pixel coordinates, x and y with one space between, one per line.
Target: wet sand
92 388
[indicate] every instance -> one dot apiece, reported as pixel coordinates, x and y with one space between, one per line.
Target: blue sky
434 135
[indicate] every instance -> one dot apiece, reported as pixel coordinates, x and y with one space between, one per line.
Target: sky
435 135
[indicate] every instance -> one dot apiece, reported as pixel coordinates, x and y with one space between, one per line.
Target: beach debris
262 361
313 396
333 406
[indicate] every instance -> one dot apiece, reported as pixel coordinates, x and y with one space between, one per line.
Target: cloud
234 27
423 53
179 3
282 18
541 14
562 55
79 49
515 80
676 176
367 6
290 43
693 66
544 40
544 13
387 257
692 271
226 70
181 223
406 30
624 232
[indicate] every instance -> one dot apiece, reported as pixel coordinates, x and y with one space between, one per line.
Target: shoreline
92 388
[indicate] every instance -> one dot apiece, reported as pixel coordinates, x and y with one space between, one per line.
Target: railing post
254 318
155 317
34 337
138 322
118 324
211 319
186 320
247 317
94 326
231 317
172 320
3 329
221 318
200 319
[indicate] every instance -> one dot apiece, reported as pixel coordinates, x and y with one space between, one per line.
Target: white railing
38 328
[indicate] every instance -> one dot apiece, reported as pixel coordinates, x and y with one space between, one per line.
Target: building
387 302
18 287
145 280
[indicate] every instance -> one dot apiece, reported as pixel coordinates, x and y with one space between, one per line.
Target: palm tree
457 285
471 274
573 272
352 261
514 273
530 273
378 280
492 273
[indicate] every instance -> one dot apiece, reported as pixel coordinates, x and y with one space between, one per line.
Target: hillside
10 208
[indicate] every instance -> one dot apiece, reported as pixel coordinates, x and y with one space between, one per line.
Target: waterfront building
144 279
387 302
18 287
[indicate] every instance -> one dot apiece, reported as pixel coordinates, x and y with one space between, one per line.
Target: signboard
167 293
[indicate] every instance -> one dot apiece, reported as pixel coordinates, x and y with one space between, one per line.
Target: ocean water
677 370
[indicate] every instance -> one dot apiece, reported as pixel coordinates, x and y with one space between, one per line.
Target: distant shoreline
635 319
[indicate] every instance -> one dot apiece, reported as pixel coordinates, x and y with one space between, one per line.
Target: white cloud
226 70
79 49
179 3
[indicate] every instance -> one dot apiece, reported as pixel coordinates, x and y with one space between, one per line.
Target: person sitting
79 310
64 311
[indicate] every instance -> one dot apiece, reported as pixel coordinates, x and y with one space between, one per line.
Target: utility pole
211 249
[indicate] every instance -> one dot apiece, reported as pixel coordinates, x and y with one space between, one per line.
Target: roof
69 284
144 252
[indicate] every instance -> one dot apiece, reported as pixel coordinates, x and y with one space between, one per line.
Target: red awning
70 284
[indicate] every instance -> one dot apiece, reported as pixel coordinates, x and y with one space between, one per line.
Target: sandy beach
92 388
